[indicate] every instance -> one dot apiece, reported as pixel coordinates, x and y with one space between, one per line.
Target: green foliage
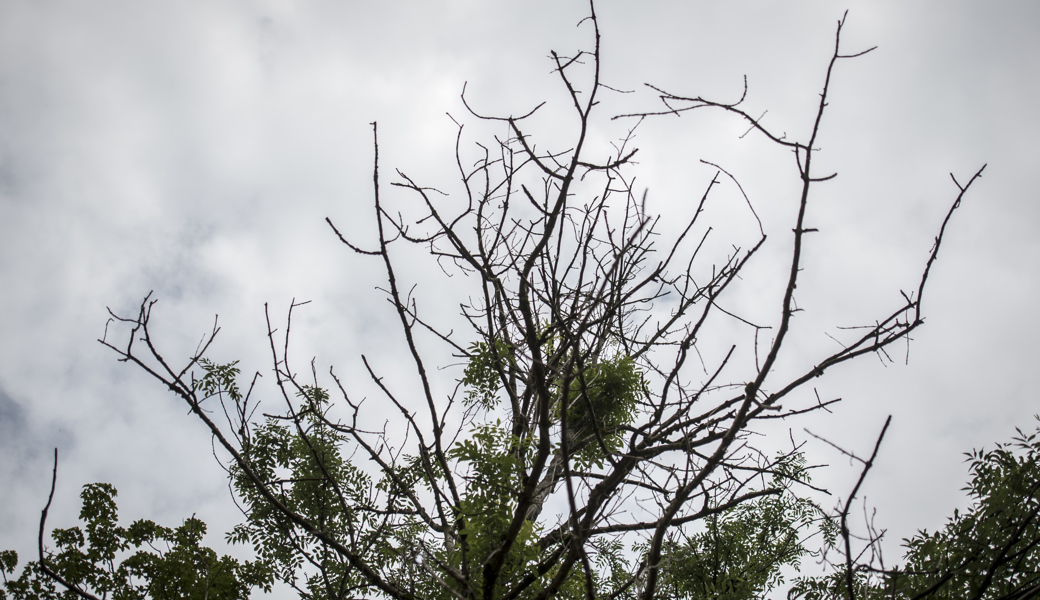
184 569
483 374
990 551
833 586
220 379
735 554
738 556
602 399
314 480
741 551
491 457
614 568
995 544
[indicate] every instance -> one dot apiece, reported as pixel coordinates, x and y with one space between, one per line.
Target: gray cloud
12 421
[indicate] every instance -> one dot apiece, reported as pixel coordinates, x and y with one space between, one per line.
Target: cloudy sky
195 148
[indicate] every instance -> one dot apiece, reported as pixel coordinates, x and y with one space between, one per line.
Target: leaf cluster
739 553
302 461
143 560
991 551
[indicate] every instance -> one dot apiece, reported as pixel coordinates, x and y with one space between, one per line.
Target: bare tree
590 448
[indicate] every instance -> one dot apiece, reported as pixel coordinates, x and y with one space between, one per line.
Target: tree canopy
144 560
989 552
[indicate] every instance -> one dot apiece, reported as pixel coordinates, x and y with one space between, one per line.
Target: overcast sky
195 148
